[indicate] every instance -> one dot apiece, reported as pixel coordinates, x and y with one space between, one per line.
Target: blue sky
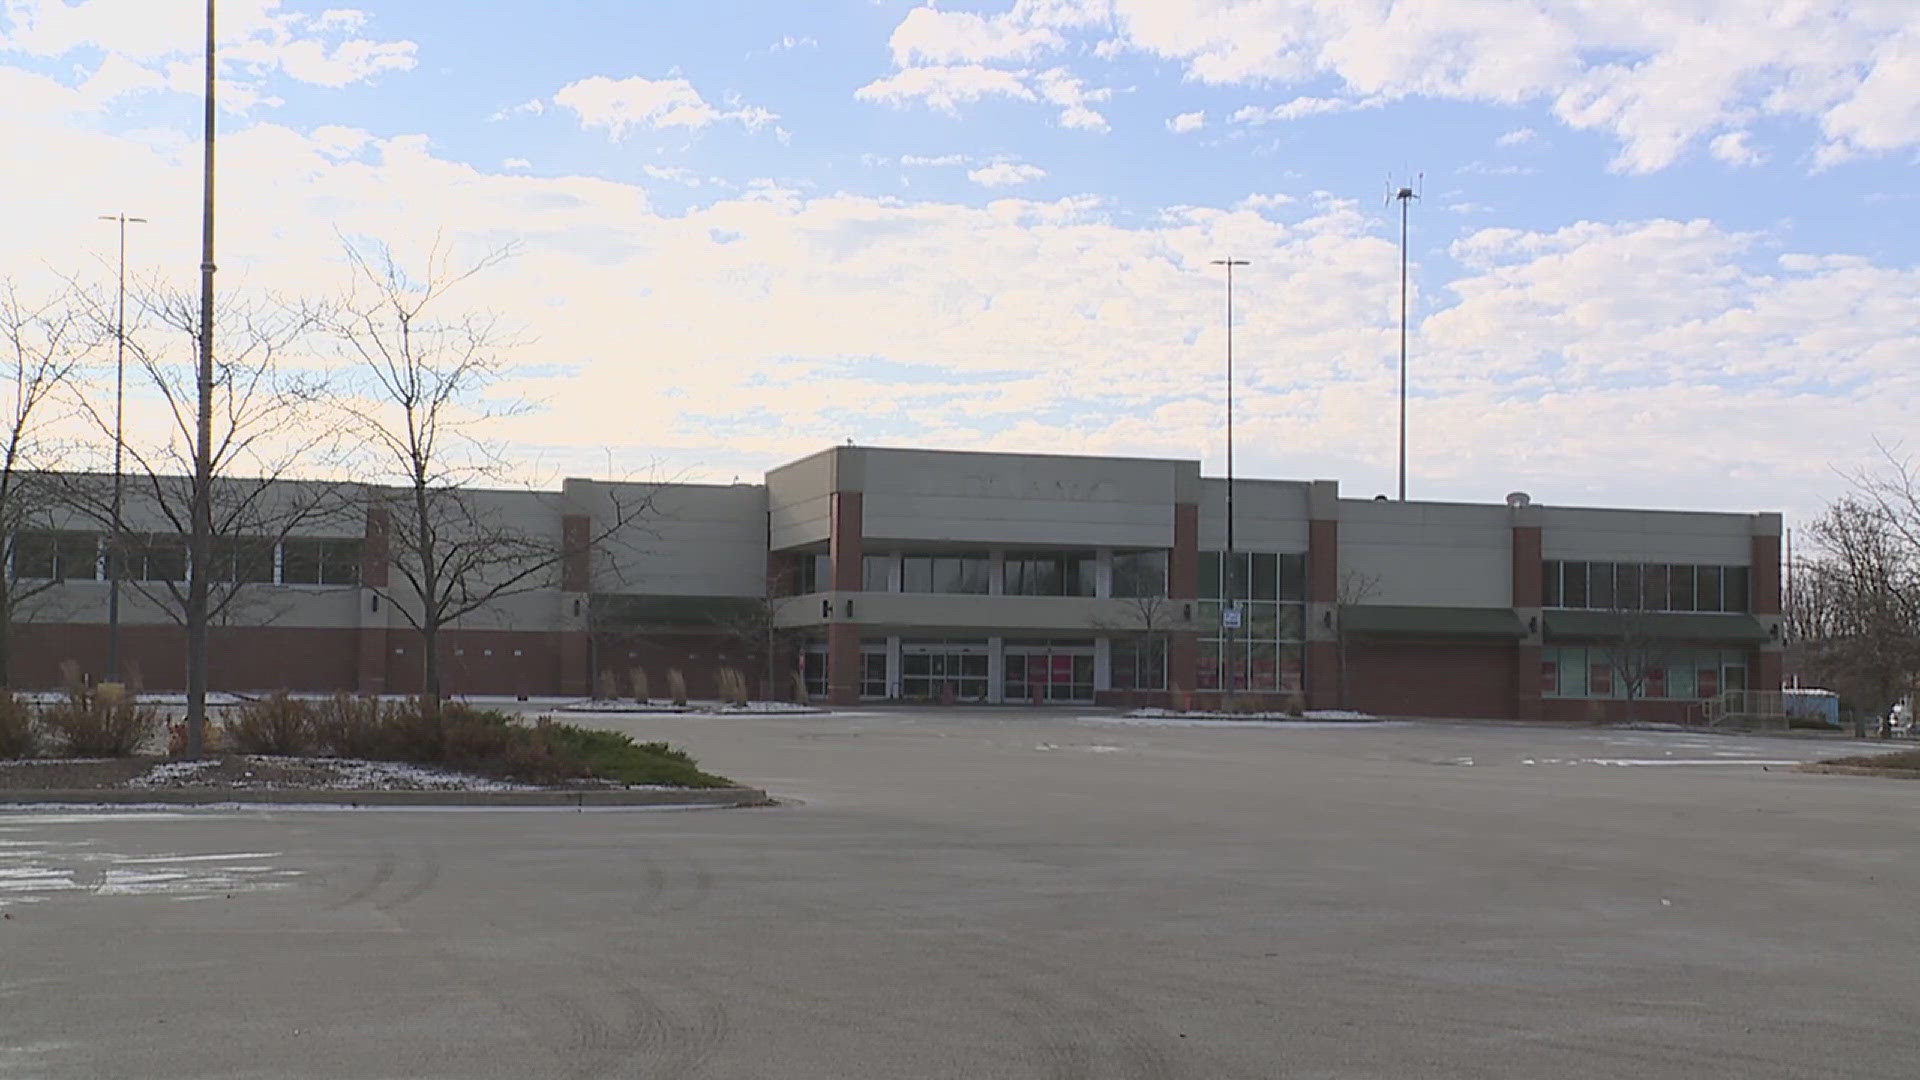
1665 254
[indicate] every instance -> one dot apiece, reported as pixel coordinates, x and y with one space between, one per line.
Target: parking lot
1007 893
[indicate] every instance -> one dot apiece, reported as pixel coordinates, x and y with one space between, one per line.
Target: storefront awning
1377 620
1612 625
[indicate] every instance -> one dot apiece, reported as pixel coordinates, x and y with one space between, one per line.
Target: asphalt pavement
1011 893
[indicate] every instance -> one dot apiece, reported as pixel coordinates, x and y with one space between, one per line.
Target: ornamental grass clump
104 720
676 686
350 727
637 681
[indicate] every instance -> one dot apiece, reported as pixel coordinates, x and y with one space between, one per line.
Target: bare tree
46 343
1631 647
1856 623
756 624
262 436
419 403
1145 621
1355 588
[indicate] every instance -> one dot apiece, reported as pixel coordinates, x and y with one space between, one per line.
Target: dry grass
676 686
19 728
274 725
1898 759
106 720
637 682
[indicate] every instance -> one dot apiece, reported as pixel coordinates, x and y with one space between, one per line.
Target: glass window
33 555
1653 586
1626 587
916 574
1680 588
300 562
873 673
876 572
79 556
1210 574
1137 665
1574 585
1707 588
814 573
962 574
163 557
1055 574
1550 675
1236 576
1600 585
1599 677
1293 622
1733 595
1656 681
1293 577
1139 573
1573 673
1266 576
1550 583
340 562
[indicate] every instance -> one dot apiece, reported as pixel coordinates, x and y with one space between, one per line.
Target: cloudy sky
1665 252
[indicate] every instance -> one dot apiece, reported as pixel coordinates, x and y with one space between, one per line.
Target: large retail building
899 574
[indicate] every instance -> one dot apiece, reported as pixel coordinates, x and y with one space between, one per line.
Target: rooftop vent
1518 499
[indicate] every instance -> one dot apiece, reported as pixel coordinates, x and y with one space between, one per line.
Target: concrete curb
1860 770
714 797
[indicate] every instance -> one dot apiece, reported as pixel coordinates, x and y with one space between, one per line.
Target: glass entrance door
1040 672
943 670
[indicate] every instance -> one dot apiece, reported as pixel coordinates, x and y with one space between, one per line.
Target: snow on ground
321 774
710 708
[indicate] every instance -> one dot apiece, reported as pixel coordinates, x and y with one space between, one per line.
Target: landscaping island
1898 765
94 745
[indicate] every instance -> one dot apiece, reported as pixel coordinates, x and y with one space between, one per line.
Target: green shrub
19 730
276 724
611 755
106 720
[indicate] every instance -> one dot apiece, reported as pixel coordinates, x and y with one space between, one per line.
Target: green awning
1611 625
1379 620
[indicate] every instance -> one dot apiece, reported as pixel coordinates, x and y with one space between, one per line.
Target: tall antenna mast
1405 196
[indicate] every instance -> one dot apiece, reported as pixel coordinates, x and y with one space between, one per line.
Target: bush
100 721
19 731
676 686
605 686
610 755
277 724
637 681
349 727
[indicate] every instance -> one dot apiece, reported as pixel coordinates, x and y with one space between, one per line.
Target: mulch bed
1899 765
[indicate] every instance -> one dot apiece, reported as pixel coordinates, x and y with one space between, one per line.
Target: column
1765 667
1323 673
1527 544
371 667
576 673
1183 592
845 551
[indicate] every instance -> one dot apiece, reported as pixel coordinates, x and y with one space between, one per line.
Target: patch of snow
396 775
168 773
1632 762
1337 714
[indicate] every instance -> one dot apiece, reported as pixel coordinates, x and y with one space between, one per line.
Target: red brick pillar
1323 598
1527 682
845 551
1183 590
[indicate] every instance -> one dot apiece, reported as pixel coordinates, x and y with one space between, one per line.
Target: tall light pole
1405 196
202 541
116 553
1229 622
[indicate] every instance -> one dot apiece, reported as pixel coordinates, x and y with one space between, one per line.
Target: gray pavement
1006 894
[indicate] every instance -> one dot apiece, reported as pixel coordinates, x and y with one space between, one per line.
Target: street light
1229 621
115 554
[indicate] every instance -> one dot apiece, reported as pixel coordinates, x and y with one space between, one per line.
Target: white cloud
619 105
1517 137
931 36
674 173
516 163
530 107
1062 88
1736 148
945 88
1302 107
1186 122
1657 76
935 160
1006 174
790 43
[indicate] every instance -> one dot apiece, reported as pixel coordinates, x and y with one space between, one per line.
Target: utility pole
1230 614
116 551
202 545
1405 195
